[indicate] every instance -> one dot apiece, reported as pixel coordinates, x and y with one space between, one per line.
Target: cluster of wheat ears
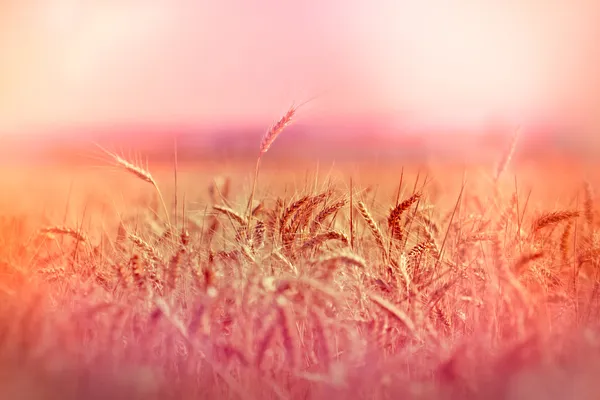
320 295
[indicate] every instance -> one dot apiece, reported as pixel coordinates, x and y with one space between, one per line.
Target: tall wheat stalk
141 173
267 140
508 154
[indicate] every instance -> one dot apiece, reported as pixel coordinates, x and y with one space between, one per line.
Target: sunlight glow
183 62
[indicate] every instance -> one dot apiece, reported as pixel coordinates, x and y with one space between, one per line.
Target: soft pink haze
183 62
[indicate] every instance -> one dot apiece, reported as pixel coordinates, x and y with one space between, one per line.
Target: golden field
367 280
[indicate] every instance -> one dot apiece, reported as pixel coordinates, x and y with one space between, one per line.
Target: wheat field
288 281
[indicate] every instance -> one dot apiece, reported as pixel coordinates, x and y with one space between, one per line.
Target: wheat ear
552 218
63 230
140 173
231 213
362 209
272 133
508 154
268 139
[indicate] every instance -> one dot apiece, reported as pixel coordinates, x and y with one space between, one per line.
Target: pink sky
78 62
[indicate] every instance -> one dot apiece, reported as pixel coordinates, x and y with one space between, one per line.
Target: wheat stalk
290 211
270 136
63 230
396 215
140 173
326 212
324 237
145 247
362 209
507 155
400 315
552 218
589 204
258 236
564 241
231 214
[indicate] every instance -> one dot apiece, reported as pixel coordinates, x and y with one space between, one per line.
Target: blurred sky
87 62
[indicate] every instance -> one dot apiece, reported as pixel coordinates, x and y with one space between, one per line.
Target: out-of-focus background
389 75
